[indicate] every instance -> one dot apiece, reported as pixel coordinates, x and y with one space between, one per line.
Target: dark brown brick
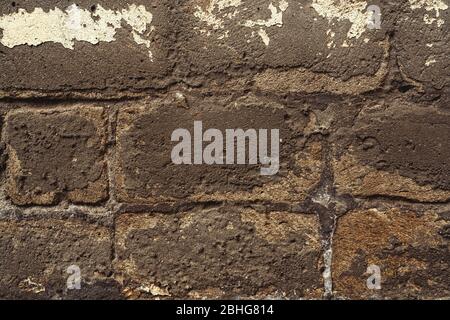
289 46
395 148
145 172
115 66
219 253
55 155
423 43
36 253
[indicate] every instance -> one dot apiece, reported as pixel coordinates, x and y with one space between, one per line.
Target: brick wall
90 94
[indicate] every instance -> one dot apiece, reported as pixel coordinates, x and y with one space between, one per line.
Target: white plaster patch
430 5
215 17
354 12
430 61
265 38
276 18
210 16
154 290
74 24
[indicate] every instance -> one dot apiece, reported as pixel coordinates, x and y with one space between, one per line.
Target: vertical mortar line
328 221
328 262
111 205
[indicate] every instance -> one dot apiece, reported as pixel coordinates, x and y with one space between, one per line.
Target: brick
219 253
294 46
96 49
410 246
395 149
36 253
145 172
56 155
423 43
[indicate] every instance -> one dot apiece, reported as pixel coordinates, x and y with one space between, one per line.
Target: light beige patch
74 24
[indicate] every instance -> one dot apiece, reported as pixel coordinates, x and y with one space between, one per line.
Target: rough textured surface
36 253
55 155
410 246
423 44
91 92
395 148
145 178
225 252
237 38
99 68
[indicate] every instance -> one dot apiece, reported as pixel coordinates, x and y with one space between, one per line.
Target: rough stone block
55 155
410 248
219 253
37 252
423 43
290 46
145 172
110 48
395 149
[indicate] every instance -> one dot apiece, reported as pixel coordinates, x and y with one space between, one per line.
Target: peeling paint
210 17
430 5
217 13
74 24
276 18
430 61
265 38
354 12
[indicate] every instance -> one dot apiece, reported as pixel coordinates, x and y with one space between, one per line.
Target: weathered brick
219 253
423 43
55 155
395 148
290 46
411 248
145 172
48 48
36 253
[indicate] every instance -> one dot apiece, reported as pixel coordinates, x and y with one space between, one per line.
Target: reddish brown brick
410 247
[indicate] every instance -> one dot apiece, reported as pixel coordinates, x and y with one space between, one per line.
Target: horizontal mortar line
400 199
102 211
171 208
93 96
49 102
13 215
70 98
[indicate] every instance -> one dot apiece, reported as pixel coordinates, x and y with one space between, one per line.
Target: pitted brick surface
91 92
56 155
